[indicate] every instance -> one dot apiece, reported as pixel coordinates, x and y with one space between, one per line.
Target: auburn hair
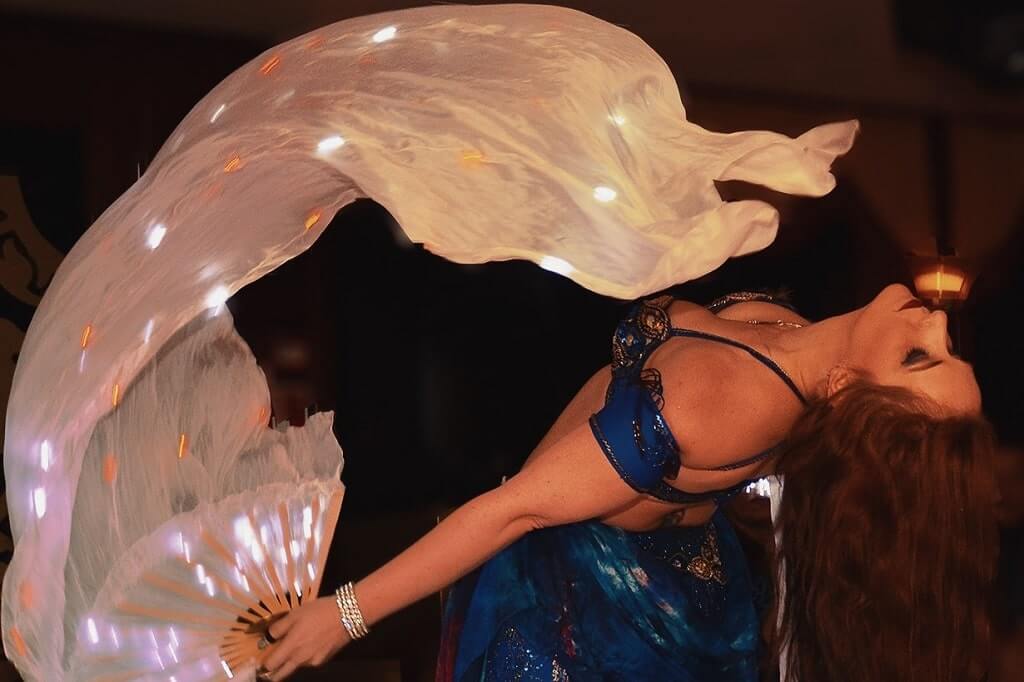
888 540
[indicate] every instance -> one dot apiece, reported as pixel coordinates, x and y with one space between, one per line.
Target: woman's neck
808 353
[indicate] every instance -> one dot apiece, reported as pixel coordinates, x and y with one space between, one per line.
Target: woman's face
899 342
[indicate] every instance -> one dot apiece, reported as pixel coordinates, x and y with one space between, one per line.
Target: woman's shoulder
720 405
699 370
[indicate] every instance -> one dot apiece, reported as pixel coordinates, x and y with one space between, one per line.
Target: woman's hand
309 635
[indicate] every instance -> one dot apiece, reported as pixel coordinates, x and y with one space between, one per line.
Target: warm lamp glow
941 280
939 284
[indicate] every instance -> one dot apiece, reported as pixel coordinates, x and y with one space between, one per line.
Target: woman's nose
938 327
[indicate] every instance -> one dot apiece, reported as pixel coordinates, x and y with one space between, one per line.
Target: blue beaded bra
630 428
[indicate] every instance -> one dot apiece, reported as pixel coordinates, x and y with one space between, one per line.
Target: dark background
444 377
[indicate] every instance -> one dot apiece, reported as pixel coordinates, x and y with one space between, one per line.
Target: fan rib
286 532
172 616
189 592
250 571
330 522
269 565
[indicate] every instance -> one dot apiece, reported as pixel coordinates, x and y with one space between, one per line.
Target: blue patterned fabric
587 602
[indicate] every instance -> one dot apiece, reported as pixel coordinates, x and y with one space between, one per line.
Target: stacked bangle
348 610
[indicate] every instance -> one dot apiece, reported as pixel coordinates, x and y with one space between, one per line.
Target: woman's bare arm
569 481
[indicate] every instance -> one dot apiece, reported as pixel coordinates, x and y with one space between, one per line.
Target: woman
605 557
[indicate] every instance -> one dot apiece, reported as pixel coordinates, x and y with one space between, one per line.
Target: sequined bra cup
630 427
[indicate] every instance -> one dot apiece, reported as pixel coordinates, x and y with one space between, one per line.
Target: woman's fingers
279 627
287 669
277 658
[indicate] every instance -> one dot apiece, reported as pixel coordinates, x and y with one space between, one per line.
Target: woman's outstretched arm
569 481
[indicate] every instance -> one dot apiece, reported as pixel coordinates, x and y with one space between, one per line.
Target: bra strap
757 355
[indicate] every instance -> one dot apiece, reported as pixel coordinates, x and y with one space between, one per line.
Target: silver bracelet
348 611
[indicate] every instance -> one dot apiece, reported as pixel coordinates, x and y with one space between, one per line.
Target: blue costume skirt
586 602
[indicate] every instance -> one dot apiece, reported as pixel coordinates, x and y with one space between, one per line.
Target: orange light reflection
19 643
109 468
313 218
270 65
26 595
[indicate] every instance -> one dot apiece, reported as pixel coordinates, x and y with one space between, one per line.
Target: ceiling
846 51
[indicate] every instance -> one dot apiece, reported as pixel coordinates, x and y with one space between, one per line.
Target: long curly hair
888 540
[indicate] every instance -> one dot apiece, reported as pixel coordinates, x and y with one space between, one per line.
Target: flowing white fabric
489 132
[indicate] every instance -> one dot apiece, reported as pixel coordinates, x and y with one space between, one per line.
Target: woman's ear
837 379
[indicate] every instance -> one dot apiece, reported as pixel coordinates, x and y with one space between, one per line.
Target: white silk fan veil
156 517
